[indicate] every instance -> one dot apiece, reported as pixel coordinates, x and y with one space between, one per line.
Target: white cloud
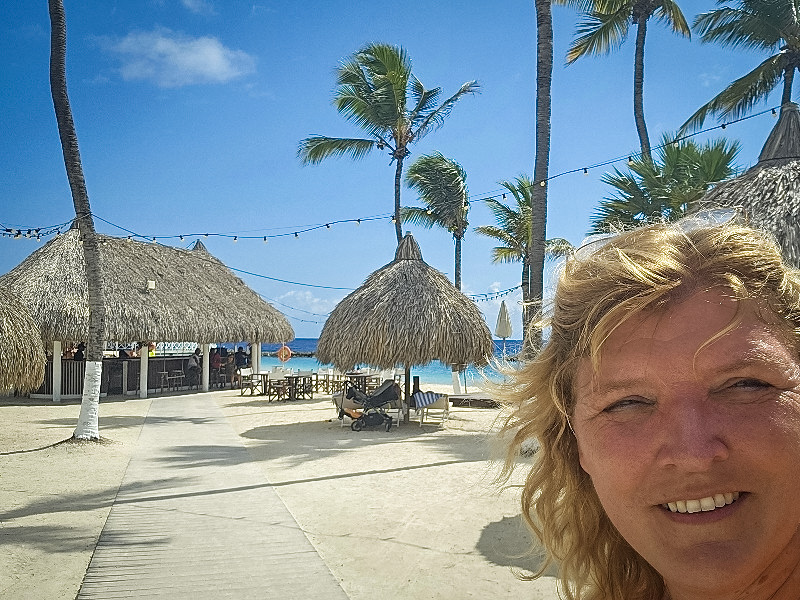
171 59
201 7
305 300
710 79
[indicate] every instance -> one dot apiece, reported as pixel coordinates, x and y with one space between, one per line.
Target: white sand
410 513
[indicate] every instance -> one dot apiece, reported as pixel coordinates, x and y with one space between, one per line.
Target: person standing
195 367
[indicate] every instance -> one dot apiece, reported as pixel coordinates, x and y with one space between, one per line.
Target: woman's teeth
703 504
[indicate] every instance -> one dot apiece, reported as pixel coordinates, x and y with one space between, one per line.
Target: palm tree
514 232
606 25
88 419
664 189
537 247
769 25
442 187
378 92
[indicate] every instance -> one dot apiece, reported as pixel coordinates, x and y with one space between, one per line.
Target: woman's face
694 447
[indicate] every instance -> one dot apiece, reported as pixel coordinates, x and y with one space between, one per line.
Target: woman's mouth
703 504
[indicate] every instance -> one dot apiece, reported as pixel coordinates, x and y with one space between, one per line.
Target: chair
249 381
427 401
277 388
305 385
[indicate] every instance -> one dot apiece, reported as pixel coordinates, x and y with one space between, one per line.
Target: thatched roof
769 193
21 349
406 313
195 297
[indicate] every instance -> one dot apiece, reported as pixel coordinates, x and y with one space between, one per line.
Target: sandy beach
410 513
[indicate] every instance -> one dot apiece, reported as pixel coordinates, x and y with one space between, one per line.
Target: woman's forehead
707 323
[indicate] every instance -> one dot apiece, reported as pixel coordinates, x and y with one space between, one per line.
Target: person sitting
664 417
195 367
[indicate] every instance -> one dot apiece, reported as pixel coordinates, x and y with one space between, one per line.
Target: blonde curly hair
597 291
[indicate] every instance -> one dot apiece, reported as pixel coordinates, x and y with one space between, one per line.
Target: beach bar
152 293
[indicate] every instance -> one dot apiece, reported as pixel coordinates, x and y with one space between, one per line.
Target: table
359 380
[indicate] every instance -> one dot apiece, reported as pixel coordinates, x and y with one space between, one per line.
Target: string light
57 229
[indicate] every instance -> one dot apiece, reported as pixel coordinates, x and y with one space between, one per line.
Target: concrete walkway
196 518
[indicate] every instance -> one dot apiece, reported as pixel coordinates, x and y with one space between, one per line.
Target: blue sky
189 113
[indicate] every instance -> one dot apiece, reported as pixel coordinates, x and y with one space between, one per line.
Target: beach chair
424 402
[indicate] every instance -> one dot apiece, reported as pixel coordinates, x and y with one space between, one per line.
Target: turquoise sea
434 373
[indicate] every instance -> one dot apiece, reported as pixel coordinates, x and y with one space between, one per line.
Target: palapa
405 314
152 293
768 194
22 356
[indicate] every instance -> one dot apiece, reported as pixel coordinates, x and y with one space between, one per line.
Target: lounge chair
424 402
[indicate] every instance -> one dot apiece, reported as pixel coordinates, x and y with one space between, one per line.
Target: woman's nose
691 436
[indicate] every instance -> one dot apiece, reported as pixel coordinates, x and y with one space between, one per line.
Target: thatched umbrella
21 349
405 314
152 293
769 193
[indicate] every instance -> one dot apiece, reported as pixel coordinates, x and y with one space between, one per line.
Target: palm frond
502 254
557 247
441 184
435 118
417 215
669 12
314 150
741 95
600 32
424 102
664 188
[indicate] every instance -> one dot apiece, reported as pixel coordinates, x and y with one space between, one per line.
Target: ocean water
434 373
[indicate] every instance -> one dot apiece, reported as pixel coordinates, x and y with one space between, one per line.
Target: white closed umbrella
503 328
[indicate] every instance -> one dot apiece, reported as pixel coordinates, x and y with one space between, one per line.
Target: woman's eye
627 404
750 384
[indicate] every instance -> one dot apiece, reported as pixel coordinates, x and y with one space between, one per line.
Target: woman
666 406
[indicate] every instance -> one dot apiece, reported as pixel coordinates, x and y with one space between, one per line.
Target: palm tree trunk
638 88
527 305
88 420
534 268
457 278
398 174
788 80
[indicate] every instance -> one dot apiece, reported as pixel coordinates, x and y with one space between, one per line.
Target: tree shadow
300 443
84 501
56 539
508 542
